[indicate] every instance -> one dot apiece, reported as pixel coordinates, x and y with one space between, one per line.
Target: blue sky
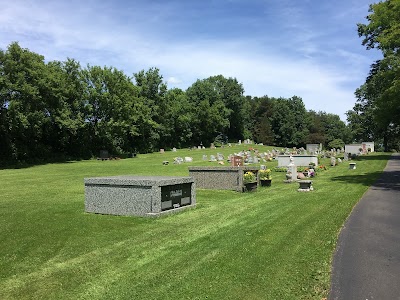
278 48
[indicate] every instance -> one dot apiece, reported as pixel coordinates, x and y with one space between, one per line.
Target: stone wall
220 178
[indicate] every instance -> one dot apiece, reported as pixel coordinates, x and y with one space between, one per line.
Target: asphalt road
366 264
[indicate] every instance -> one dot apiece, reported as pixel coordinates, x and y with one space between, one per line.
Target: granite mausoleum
139 195
221 178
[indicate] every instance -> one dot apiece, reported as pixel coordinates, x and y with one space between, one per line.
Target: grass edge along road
275 243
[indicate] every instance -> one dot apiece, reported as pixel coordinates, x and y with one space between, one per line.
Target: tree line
60 110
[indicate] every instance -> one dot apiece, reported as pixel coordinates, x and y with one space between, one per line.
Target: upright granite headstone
104 155
236 161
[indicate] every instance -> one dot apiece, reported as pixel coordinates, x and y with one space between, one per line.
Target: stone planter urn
352 166
265 182
250 186
305 186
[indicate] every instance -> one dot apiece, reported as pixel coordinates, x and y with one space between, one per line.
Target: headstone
339 160
178 160
250 160
212 158
333 161
240 142
212 146
346 156
263 167
236 161
198 147
188 159
220 157
205 157
162 151
104 155
174 149
256 160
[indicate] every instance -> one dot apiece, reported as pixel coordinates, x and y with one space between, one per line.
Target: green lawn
275 243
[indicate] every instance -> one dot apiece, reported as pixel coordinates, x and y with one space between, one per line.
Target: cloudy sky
279 48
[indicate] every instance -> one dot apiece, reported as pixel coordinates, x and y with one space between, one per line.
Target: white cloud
287 61
173 81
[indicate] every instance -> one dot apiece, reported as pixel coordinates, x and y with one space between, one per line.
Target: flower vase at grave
250 181
250 186
265 182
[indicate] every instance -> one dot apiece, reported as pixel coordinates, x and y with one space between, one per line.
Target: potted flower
250 181
265 177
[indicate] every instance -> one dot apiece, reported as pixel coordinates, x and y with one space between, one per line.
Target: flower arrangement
249 177
320 168
265 174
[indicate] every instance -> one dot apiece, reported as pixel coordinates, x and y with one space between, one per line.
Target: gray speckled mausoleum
139 195
221 178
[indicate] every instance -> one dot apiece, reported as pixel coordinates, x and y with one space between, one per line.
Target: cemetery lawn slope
275 243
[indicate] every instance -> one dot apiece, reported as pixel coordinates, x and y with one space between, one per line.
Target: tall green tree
382 86
176 119
112 109
211 116
231 92
24 114
290 122
316 129
262 112
334 128
152 91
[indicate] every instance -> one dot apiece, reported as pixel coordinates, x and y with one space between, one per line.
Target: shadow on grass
364 179
387 180
25 165
383 156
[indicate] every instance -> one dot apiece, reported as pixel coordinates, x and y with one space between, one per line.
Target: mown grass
275 243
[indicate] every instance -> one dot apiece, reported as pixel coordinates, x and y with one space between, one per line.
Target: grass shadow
383 156
364 179
387 180
26 165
